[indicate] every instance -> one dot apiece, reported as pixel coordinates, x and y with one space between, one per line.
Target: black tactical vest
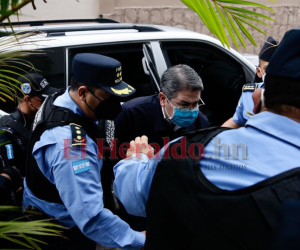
186 211
12 122
50 116
19 136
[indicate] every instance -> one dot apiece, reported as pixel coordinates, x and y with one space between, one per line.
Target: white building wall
59 9
87 9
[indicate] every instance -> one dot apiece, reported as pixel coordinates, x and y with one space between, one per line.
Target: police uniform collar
276 125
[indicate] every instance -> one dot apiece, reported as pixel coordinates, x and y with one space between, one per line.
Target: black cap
286 60
101 71
35 85
268 49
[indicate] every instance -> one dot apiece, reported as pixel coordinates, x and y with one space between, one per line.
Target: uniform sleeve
133 178
238 117
79 185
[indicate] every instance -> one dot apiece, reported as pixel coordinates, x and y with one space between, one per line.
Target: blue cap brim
122 89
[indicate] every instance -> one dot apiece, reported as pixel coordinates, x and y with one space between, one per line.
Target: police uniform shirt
79 185
244 109
273 147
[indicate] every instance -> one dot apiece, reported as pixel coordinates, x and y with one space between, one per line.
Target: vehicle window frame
69 49
226 57
250 78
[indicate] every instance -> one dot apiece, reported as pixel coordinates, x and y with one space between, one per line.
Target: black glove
15 175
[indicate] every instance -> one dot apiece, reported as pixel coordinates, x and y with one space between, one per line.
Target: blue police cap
268 49
286 60
101 71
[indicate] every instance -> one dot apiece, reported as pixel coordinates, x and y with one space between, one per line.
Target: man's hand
140 145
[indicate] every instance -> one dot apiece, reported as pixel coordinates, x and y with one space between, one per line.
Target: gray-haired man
165 116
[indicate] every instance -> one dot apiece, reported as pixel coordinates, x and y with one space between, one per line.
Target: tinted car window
51 64
47 62
222 76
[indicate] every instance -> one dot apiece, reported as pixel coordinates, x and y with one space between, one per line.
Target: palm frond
220 17
13 63
17 231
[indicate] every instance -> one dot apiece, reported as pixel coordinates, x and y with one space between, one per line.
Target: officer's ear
258 72
82 92
162 99
26 98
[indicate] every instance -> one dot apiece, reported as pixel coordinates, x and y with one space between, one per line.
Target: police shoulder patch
78 136
9 151
249 114
81 166
250 87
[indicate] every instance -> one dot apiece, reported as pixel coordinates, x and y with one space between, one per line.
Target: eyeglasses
200 104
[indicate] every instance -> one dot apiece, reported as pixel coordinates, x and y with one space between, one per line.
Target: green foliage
12 62
13 65
10 7
20 232
228 21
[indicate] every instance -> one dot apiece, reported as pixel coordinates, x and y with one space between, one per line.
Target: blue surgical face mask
183 117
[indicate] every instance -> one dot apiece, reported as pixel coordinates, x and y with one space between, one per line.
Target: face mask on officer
107 109
183 117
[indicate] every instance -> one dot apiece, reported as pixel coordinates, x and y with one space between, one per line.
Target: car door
150 67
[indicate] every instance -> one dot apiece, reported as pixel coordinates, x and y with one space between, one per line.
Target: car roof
62 35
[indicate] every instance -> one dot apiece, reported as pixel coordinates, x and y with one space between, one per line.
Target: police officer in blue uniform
226 195
63 172
244 110
32 89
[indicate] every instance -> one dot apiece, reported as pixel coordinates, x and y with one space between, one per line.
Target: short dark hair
281 91
178 78
75 85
